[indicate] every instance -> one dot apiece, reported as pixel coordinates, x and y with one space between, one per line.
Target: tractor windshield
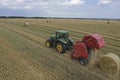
62 34
65 35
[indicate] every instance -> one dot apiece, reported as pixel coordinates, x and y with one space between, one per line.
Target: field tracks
25 34
83 32
22 65
41 41
74 36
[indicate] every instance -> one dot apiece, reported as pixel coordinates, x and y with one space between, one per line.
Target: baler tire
82 61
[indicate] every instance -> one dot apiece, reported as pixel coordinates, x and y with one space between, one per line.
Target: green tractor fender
70 44
72 41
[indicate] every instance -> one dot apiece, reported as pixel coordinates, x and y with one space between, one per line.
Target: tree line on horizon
60 18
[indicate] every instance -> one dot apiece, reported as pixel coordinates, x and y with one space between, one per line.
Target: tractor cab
61 34
61 41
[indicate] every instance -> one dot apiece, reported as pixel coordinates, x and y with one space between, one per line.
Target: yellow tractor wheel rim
59 48
48 44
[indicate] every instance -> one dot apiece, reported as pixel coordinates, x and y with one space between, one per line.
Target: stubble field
24 56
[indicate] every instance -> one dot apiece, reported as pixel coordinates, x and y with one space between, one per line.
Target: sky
61 8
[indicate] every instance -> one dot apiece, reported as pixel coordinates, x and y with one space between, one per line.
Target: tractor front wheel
48 43
61 48
82 61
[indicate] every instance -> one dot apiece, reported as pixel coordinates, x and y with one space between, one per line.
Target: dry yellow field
23 55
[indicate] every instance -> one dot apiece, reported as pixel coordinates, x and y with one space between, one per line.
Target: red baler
82 49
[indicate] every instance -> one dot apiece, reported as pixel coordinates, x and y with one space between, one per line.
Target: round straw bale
26 24
110 63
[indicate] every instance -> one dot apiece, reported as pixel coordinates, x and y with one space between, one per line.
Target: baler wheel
82 61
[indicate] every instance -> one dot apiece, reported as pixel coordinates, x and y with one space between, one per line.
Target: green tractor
61 41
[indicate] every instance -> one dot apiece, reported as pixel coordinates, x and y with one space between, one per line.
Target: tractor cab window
62 35
65 35
58 35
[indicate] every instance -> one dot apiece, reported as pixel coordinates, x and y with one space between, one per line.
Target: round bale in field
108 22
110 63
26 24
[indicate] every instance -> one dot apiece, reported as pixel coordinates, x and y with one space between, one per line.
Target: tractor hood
66 41
63 41
53 36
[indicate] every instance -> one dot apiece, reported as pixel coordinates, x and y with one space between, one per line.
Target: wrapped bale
110 63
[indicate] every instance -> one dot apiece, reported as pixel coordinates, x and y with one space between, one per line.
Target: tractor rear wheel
82 61
48 43
61 48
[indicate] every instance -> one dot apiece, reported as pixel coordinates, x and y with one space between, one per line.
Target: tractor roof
62 31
